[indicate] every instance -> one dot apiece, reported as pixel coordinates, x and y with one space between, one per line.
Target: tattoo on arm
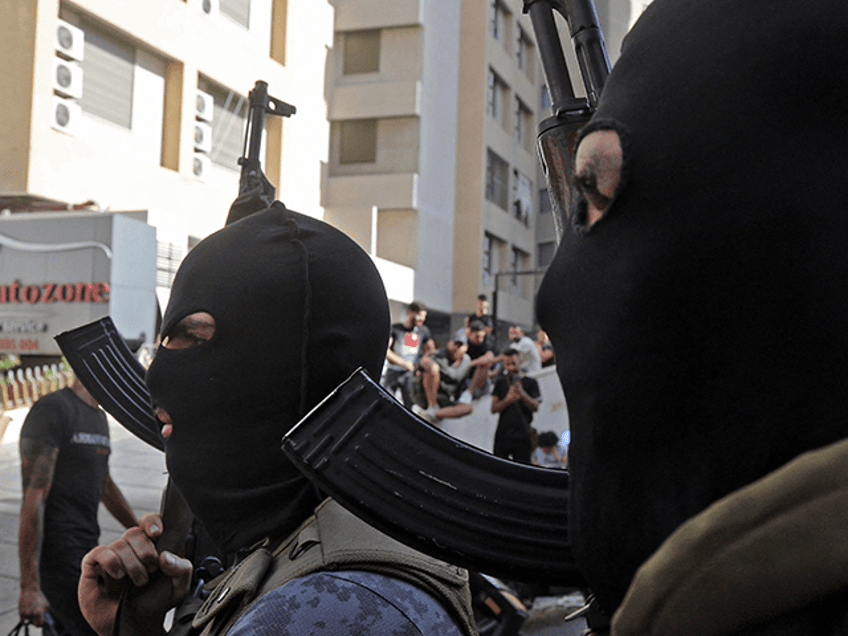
38 463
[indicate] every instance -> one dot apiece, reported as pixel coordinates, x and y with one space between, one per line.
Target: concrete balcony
375 100
352 15
386 191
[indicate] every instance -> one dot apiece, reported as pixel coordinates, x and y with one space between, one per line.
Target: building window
496 99
524 53
522 197
358 141
497 180
229 117
523 122
108 74
518 262
492 247
237 10
514 266
168 257
362 52
545 253
498 20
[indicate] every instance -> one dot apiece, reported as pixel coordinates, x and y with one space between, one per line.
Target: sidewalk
138 469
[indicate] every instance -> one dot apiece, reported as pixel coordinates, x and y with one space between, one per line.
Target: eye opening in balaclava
610 165
193 329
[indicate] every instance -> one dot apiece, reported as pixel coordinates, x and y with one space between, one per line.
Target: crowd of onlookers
444 382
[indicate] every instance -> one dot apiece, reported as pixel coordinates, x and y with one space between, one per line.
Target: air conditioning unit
66 115
202 136
70 40
209 7
67 77
200 166
204 106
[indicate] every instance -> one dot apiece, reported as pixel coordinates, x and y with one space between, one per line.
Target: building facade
119 105
414 131
433 108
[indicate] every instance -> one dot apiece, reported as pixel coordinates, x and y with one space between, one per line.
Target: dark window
358 141
362 52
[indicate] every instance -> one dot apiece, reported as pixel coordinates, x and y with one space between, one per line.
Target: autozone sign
54 293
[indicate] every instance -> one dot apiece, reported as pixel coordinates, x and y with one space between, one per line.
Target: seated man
482 315
442 378
409 341
483 359
529 357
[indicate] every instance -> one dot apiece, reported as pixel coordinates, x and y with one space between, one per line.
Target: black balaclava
298 306
701 325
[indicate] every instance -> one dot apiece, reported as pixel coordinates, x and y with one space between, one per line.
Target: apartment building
114 105
414 129
433 108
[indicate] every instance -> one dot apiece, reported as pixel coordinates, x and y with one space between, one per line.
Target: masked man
266 317
699 290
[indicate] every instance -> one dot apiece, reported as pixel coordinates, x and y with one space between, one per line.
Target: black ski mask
298 306
701 325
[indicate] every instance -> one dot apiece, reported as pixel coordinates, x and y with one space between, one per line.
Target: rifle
445 498
255 191
557 135
433 492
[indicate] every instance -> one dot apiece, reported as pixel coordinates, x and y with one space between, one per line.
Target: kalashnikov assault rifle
105 365
426 489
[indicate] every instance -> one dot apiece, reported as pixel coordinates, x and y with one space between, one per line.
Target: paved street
139 470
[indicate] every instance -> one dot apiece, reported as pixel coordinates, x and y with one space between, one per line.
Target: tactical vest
332 539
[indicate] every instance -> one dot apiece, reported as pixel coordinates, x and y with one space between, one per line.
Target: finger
138 554
151 523
133 556
101 573
180 571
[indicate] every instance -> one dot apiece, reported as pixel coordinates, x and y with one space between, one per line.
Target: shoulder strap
333 539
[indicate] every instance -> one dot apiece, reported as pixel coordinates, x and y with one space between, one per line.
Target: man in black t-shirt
482 316
64 450
481 352
410 341
516 397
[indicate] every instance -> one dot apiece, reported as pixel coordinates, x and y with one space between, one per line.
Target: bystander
410 340
64 449
515 398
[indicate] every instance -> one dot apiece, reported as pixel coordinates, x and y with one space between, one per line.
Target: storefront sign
53 293
61 271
